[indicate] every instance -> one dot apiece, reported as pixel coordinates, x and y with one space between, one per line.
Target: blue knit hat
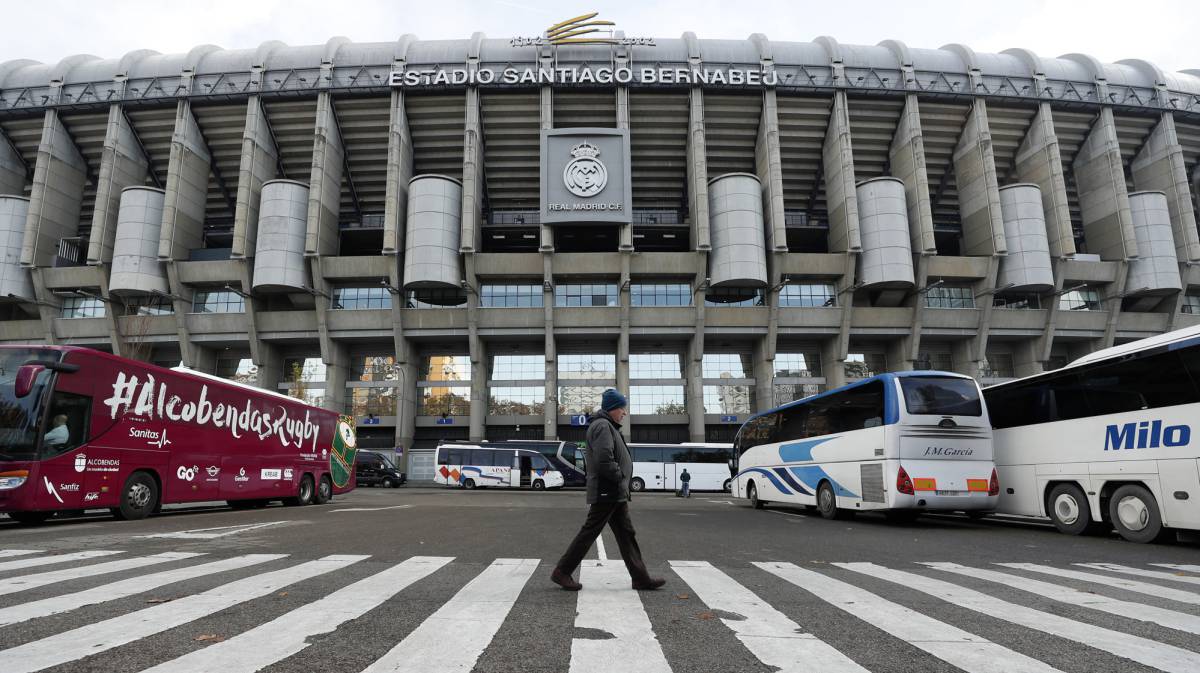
613 400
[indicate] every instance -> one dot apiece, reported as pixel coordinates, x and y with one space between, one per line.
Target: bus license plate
951 492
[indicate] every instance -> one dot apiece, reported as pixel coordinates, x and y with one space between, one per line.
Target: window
939 360
734 296
864 365
446 368
594 294
82 307
998 366
445 400
1080 300
666 294
654 366
516 400
519 367
149 306
351 298
854 409
656 400
377 401
510 296
434 298
729 399
938 395
790 392
797 365
304 370
374 368
596 367
241 370
758 431
1019 301
579 399
646 454
218 301
67 423
808 294
949 296
726 366
1191 304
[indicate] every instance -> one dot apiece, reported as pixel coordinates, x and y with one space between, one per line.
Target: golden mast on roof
569 31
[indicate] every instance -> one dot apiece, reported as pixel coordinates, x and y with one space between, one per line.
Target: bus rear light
12 479
994 484
903 483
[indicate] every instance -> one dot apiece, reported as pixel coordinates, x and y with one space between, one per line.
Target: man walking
609 474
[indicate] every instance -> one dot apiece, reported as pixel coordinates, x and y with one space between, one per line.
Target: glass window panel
435 298
727 366
519 367
597 366
939 360
354 298
579 399
1191 304
790 392
378 401
646 454
808 294
241 370
655 366
149 306
1080 300
305 370
446 368
734 296
865 365
218 301
798 365
731 399
516 400
593 294
82 307
374 368
510 296
656 400
949 296
1022 301
998 366
445 400
660 294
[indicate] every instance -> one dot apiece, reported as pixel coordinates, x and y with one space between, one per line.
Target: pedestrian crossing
793 617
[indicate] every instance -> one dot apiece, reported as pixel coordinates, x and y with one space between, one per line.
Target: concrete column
478 354
623 337
769 168
13 172
187 188
550 422
1113 304
841 198
546 123
47 305
1025 358
190 354
1103 196
693 370
325 181
1045 343
399 172
122 164
473 180
1039 161
983 329
978 187
833 363
625 232
908 348
57 195
840 346
260 159
764 375
697 171
907 159
1159 166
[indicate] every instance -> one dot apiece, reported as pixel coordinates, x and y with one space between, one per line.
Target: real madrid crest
585 175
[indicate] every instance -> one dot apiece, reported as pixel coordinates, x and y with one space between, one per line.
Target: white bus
1105 440
658 466
471 466
902 443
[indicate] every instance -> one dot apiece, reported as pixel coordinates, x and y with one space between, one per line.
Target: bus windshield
941 395
20 417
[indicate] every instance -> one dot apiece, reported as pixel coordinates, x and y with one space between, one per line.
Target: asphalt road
463 585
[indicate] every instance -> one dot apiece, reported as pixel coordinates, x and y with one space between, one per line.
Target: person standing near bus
685 480
609 474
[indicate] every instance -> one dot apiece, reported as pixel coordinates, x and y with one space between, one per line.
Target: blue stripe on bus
812 475
800 452
771 477
479 473
783 474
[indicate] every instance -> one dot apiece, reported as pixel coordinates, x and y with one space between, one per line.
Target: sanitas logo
1145 435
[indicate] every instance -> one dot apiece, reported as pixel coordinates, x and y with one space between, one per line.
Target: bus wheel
538 484
1134 513
1068 509
827 502
304 494
727 486
469 484
324 490
637 485
386 483
30 518
752 494
138 498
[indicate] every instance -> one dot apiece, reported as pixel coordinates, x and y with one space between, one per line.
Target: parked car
376 469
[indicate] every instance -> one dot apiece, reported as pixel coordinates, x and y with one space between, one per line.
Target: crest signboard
585 176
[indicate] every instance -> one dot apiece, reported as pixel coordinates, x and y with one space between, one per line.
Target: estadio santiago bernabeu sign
585 176
585 75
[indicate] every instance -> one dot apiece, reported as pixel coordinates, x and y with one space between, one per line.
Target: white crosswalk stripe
453 637
125 588
282 637
1084 599
613 623
1186 567
769 634
1154 654
1155 574
610 606
101 636
1115 581
25 582
9 553
21 564
948 643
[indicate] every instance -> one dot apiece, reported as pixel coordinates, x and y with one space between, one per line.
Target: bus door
670 478
67 477
524 468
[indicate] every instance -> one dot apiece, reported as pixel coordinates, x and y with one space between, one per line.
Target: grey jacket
609 465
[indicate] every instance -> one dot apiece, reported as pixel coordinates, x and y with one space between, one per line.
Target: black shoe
649 584
565 581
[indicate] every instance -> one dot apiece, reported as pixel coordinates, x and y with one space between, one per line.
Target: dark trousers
616 515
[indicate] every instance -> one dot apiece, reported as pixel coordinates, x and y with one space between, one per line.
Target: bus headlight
13 479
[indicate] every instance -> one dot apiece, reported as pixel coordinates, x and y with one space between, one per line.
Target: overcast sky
1165 32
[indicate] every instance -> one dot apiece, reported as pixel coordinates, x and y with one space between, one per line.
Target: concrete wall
283 218
1027 266
431 246
886 258
1039 161
1159 166
187 188
907 158
13 279
54 204
1103 197
135 265
978 190
739 256
122 164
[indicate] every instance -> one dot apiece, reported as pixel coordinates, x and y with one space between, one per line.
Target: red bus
82 429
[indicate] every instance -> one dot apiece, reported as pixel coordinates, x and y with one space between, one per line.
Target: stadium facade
471 238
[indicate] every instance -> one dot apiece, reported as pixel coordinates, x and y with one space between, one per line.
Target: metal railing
71 252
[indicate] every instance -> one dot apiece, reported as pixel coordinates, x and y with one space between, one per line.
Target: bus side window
67 424
647 454
793 421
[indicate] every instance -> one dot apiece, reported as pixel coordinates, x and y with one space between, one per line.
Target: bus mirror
26 375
